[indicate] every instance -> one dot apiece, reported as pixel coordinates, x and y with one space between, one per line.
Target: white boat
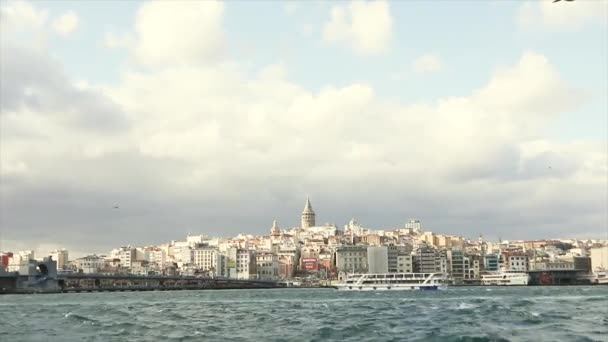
393 281
504 278
598 277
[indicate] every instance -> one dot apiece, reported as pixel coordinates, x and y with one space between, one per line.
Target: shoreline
91 290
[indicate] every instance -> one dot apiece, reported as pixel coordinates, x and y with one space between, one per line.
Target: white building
157 256
194 240
321 231
205 258
183 254
267 265
351 259
20 259
125 254
599 258
245 264
141 267
405 263
517 262
377 259
211 260
89 264
414 225
61 256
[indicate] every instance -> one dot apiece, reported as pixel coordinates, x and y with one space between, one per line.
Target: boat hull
391 288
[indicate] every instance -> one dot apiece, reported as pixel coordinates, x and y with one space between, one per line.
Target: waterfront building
209 259
475 266
425 259
308 215
183 254
267 265
231 260
245 264
515 261
61 256
157 256
19 260
89 264
405 263
459 264
351 259
287 265
141 267
441 261
126 254
393 253
599 258
377 259
4 259
326 263
490 262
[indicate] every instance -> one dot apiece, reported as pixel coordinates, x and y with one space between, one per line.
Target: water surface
458 314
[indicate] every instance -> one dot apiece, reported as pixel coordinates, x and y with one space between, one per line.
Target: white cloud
365 26
20 15
184 144
66 24
179 32
427 63
563 15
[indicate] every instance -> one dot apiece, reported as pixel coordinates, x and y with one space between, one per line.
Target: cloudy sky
204 117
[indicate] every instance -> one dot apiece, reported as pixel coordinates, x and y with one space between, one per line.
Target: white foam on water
464 306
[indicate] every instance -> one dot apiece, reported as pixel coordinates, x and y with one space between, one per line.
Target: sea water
457 314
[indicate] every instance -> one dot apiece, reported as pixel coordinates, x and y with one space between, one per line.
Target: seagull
115 207
554 1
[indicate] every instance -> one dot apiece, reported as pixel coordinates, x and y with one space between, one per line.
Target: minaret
308 215
274 231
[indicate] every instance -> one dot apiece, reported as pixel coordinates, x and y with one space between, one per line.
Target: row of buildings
326 252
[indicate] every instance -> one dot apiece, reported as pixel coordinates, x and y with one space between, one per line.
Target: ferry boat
598 277
393 281
504 278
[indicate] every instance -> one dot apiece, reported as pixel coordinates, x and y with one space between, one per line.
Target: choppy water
458 314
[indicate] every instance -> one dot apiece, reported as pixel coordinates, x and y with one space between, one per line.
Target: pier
41 277
125 282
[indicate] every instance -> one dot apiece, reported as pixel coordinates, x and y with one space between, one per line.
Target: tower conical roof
308 207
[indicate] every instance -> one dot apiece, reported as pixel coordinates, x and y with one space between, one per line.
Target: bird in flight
115 207
554 1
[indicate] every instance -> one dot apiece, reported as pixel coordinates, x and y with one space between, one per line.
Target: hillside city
312 253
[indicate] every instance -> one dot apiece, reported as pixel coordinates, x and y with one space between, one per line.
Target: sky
203 117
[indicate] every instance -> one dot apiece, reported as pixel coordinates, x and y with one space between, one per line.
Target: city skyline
117 125
276 230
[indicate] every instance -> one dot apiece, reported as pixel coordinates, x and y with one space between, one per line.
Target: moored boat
504 278
598 277
393 281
